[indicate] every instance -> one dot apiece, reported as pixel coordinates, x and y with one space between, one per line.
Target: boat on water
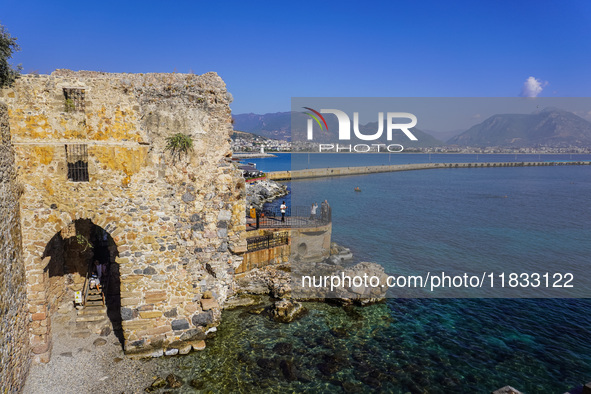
357 189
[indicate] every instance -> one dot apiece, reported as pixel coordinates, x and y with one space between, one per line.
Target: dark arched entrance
76 253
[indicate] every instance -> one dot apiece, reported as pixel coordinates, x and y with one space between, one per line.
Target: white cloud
532 87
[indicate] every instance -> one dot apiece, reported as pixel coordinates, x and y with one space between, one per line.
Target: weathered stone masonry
14 344
177 224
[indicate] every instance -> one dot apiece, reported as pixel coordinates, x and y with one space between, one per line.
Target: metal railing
267 241
294 217
86 286
77 160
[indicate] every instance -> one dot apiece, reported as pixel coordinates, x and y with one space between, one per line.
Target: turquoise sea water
402 346
509 219
499 217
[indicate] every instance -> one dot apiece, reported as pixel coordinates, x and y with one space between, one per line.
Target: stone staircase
93 316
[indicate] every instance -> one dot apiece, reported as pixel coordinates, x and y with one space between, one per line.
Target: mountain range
551 127
274 125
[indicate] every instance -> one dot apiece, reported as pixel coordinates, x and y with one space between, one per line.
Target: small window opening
74 99
77 158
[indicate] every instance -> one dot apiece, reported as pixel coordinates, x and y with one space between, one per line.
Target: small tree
8 46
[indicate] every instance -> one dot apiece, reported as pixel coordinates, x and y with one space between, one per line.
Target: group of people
324 211
99 274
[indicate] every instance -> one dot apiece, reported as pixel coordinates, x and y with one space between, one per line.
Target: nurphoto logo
344 130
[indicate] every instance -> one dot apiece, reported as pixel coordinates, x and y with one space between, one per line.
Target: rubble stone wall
177 220
14 343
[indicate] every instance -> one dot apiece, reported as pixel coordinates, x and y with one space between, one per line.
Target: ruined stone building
87 154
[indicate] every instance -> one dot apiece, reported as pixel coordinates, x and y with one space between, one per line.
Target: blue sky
268 52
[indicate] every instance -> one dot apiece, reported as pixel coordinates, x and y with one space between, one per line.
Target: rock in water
363 292
197 384
283 348
157 384
364 295
286 311
171 352
174 382
289 370
185 349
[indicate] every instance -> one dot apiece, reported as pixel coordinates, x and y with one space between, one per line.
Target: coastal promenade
342 171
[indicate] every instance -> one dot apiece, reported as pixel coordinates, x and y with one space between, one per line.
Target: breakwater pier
343 171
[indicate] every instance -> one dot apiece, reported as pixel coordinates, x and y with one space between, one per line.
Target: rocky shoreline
260 192
273 292
269 293
283 284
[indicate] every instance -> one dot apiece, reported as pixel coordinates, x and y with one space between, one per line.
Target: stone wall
177 222
14 344
310 244
261 258
305 244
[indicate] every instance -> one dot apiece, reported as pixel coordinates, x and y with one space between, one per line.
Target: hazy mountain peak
551 127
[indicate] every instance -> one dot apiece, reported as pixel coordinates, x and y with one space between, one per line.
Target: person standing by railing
313 211
324 210
283 208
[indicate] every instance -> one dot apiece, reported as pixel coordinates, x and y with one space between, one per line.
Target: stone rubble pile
260 192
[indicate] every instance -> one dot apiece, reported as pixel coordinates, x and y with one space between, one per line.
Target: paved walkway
85 362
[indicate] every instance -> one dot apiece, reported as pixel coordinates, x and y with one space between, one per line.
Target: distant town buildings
245 142
304 146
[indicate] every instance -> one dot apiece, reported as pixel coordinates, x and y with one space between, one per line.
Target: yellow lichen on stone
48 187
117 158
121 125
30 126
125 181
43 154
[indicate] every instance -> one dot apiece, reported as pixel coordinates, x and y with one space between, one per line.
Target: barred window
74 99
77 158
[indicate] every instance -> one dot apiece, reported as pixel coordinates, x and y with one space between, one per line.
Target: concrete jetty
246 156
342 171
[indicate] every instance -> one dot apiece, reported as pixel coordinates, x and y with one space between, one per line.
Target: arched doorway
74 255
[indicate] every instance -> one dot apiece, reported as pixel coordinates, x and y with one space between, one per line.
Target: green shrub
70 105
179 144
